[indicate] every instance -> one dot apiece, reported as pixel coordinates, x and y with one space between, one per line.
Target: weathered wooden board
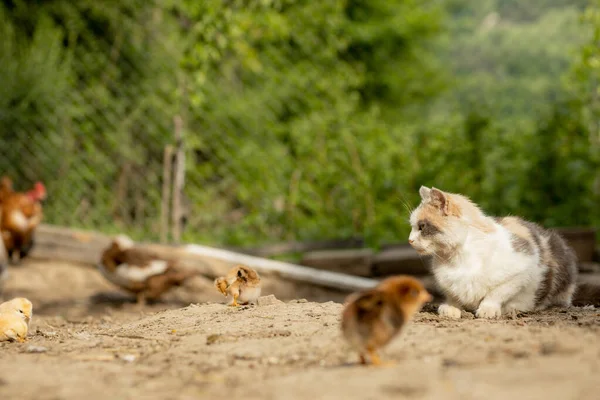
85 247
582 240
58 243
218 257
277 249
400 260
351 261
395 245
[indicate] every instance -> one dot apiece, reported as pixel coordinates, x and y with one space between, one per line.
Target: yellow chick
241 285
15 316
372 318
19 305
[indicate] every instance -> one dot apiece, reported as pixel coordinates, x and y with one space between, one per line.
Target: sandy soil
87 341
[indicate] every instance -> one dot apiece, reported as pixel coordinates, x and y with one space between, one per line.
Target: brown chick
241 285
372 318
140 271
15 316
20 305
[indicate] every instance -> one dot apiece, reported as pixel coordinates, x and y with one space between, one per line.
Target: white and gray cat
491 266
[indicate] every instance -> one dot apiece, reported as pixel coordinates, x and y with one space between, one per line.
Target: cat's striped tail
587 293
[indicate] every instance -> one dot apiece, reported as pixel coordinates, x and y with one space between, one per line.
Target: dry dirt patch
96 349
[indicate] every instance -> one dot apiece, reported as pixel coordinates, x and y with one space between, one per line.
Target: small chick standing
140 271
15 316
372 318
241 285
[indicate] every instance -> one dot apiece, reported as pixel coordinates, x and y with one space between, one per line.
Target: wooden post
179 178
166 193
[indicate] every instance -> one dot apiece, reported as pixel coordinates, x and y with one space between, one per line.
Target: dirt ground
87 341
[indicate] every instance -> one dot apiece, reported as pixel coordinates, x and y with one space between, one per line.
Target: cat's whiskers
406 205
484 263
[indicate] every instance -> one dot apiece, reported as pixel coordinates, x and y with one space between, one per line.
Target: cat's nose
410 241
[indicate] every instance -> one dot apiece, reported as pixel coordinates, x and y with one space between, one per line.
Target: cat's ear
439 200
424 192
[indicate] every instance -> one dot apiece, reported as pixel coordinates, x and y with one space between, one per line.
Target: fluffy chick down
15 316
242 285
372 318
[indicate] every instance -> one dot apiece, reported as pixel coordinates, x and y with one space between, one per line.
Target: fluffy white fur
479 271
247 295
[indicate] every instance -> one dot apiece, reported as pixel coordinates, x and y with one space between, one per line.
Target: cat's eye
421 225
240 273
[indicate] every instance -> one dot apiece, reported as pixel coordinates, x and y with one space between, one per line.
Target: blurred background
247 122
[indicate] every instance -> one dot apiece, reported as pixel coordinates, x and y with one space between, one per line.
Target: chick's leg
15 336
27 245
141 300
363 359
376 360
234 291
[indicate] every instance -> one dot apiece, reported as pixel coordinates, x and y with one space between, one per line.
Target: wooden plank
351 261
400 261
582 240
85 247
166 193
281 269
277 249
52 242
179 178
395 245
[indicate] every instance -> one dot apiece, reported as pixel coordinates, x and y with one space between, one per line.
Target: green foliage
85 82
302 119
35 77
293 150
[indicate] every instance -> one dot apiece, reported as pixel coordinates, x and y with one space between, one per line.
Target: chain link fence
246 122
113 122
104 126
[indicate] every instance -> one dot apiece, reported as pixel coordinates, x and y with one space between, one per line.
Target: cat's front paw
489 311
446 310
